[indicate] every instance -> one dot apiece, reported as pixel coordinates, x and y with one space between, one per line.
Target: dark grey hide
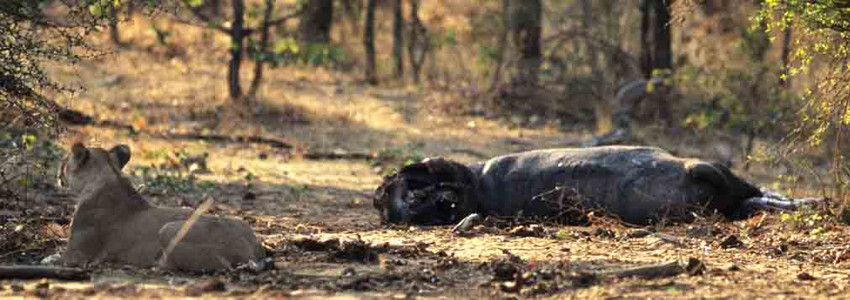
639 185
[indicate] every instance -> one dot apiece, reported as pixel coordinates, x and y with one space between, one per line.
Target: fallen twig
36 272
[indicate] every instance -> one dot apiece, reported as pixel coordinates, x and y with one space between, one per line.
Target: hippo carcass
639 185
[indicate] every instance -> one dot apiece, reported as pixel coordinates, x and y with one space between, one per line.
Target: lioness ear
80 153
121 155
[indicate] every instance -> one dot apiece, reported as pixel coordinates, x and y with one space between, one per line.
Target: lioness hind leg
207 245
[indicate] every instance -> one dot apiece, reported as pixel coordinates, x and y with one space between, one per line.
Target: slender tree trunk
114 34
760 46
527 18
314 26
786 51
215 8
236 38
503 39
369 43
656 51
602 107
353 13
663 55
663 48
263 49
646 65
418 44
398 39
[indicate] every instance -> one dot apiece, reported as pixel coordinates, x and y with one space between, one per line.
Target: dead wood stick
74 117
651 271
274 143
317 155
37 272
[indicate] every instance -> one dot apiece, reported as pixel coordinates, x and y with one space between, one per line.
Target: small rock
780 250
310 244
349 272
805 276
42 289
264 156
604 232
467 223
532 230
211 286
734 268
51 260
731 241
510 287
695 267
584 279
43 284
639 233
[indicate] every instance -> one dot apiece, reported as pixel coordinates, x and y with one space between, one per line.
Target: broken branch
37 272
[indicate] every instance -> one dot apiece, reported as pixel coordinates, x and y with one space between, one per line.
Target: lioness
113 223
640 185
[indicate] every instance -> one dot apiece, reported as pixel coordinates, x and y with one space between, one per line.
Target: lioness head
87 165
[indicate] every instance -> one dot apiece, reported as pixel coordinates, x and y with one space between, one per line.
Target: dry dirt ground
316 216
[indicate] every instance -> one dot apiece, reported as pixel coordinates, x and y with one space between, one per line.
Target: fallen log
274 143
73 117
38 272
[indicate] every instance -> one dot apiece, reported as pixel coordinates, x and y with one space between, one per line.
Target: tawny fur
113 223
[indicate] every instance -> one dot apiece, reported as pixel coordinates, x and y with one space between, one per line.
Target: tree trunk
236 36
114 34
645 38
314 27
656 51
663 48
369 43
214 8
398 39
786 51
352 11
418 44
526 18
600 95
760 44
503 39
260 61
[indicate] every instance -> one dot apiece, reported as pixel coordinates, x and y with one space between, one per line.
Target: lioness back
113 223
